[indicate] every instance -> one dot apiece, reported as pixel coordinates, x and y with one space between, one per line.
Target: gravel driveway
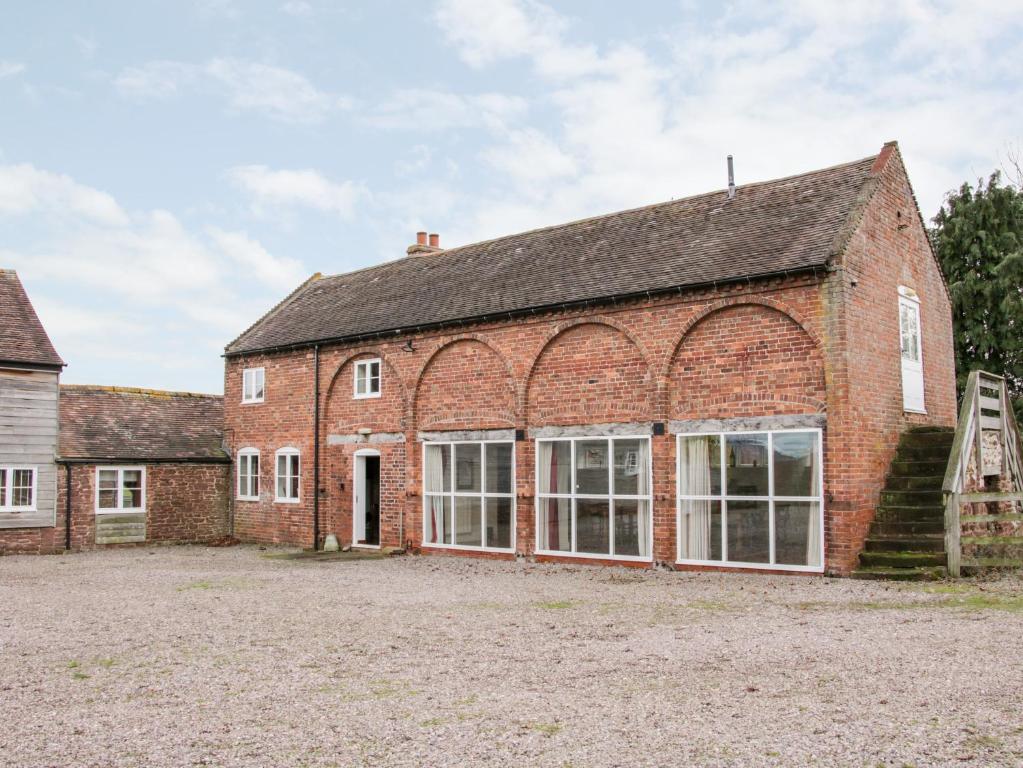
227 657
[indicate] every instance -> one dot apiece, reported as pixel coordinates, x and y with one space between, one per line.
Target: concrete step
912 498
914 482
920 542
907 528
922 453
900 574
929 429
918 468
922 439
903 513
901 559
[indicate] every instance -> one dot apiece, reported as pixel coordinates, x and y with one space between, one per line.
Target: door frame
914 370
359 498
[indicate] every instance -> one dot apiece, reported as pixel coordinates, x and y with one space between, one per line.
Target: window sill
126 511
253 402
468 548
589 556
287 501
246 498
366 397
753 566
914 410
17 510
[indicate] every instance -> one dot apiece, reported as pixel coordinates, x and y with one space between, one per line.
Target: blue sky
170 170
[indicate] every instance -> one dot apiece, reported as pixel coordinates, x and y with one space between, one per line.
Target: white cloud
10 69
249 254
306 187
420 109
279 93
297 8
529 157
25 189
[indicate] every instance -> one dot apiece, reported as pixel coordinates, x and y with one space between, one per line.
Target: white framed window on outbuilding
18 489
288 464
248 474
367 379
253 385
120 489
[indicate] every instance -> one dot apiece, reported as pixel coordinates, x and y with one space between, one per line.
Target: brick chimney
424 246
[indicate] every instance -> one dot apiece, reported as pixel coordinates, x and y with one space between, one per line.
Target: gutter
67 504
20 366
143 460
527 311
316 447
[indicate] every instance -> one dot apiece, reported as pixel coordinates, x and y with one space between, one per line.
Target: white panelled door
912 353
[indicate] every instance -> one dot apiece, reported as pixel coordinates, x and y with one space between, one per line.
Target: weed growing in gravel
79 675
547 729
556 605
73 664
106 663
433 722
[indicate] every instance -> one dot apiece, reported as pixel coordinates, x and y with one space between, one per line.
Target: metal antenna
731 179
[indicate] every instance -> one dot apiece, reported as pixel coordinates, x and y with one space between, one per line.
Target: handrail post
953 547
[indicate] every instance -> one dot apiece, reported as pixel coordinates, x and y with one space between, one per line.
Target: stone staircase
907 538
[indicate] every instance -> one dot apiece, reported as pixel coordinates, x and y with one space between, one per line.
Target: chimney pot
434 240
420 238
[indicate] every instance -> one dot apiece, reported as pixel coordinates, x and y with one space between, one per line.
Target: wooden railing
986 444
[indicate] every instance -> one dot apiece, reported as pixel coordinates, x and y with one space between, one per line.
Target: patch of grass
989 601
79 675
433 722
711 605
73 664
468 701
106 663
547 729
982 741
556 605
201 584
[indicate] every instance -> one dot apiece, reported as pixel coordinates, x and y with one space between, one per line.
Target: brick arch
388 413
466 383
745 358
592 370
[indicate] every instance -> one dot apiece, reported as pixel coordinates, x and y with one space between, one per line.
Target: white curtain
696 474
555 477
435 482
813 523
643 488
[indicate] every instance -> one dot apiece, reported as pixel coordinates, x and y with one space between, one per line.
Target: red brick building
718 381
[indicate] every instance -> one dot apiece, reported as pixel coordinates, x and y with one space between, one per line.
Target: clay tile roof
23 339
136 425
789 224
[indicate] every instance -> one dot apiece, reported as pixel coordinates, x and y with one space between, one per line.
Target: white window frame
609 497
724 497
363 367
249 392
288 475
120 509
7 489
482 495
245 456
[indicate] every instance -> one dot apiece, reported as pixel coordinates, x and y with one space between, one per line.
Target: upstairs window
248 474
253 385
120 489
367 378
288 475
17 489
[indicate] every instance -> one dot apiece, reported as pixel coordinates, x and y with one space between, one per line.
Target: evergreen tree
979 241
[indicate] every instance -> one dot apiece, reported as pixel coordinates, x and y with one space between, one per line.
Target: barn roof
23 340
769 228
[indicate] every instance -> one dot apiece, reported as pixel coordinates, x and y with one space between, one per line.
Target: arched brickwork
589 373
465 384
343 414
747 359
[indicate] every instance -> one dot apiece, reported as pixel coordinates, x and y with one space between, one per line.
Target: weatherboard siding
28 437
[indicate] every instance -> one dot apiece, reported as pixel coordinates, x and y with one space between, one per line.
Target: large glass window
17 489
120 489
253 385
288 475
593 496
751 498
468 494
367 378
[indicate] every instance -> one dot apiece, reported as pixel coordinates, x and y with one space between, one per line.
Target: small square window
17 489
120 489
367 378
253 385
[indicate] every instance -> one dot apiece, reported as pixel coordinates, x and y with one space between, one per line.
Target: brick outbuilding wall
822 345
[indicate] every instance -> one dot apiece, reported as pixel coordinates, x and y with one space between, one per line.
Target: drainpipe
67 506
316 447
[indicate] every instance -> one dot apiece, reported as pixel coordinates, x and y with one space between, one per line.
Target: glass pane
374 377
3 487
746 456
108 479
21 491
293 459
700 530
436 521
282 478
258 387
555 466
749 532
131 498
700 465
254 475
591 467
437 473
468 468
499 467
556 525
468 521
294 487
797 531
630 468
499 523
132 478
108 499
795 464
632 527
594 533
360 379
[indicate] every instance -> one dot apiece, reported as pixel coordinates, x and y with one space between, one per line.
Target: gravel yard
227 657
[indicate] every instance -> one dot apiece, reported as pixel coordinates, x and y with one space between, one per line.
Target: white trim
246 374
120 469
724 497
610 497
248 453
7 489
482 495
287 451
358 499
379 378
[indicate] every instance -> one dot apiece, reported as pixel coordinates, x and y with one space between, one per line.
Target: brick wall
800 345
185 502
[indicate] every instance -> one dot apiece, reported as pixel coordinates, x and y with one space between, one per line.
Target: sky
171 170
